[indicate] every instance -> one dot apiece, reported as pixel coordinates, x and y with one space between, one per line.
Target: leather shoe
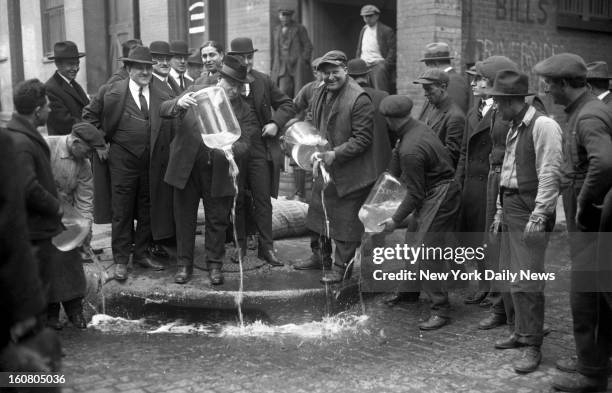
434 322
475 298
149 263
509 343
78 321
532 356
332 277
492 321
485 303
314 263
234 257
576 382
568 365
121 272
270 257
216 276
399 297
183 274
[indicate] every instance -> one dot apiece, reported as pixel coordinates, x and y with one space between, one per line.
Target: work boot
576 382
509 343
475 298
314 263
234 256
434 322
216 276
532 356
121 272
270 257
149 263
399 297
77 320
183 274
53 310
492 321
337 274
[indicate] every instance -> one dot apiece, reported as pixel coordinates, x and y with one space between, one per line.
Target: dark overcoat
66 103
448 122
104 112
386 42
300 51
382 134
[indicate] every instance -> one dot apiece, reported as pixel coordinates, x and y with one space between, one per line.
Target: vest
526 174
133 130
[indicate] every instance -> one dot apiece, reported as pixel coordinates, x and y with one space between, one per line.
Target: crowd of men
482 160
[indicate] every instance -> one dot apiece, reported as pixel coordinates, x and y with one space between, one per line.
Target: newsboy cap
369 9
490 66
563 65
395 106
88 134
437 51
598 70
334 57
432 75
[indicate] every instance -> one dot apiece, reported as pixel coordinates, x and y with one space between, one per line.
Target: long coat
266 96
386 42
448 122
104 112
66 103
382 134
300 51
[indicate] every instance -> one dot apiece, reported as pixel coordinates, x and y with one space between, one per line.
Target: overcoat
66 103
448 122
300 51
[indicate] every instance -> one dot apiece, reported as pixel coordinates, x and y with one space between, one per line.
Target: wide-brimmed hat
510 83
437 51
369 9
598 70
179 48
126 46
333 57
195 58
234 68
472 70
65 50
139 54
357 67
432 75
160 48
241 46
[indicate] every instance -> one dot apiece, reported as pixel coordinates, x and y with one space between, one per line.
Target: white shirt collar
603 95
175 74
448 69
135 91
161 78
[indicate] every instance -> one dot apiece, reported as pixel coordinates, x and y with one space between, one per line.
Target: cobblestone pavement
388 355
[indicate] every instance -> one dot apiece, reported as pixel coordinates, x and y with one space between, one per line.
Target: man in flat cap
423 164
128 114
179 51
262 171
66 96
586 178
126 47
377 47
291 51
526 205
445 117
343 113
598 80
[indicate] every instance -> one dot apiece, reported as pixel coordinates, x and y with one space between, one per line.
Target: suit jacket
608 100
458 90
448 122
66 103
118 75
300 51
41 199
176 87
386 42
267 97
104 112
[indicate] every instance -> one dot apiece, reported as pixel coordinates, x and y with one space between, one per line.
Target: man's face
79 149
231 87
504 107
370 20
284 18
163 64
434 93
140 73
179 63
479 85
248 60
334 76
212 59
555 90
42 113
194 70
68 67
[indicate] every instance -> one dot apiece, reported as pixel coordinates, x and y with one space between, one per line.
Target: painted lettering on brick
522 11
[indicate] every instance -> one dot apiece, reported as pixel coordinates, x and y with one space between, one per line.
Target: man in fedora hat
444 116
437 55
160 52
586 179
178 64
199 172
66 97
526 205
377 47
126 47
598 79
291 51
262 171
127 112
195 66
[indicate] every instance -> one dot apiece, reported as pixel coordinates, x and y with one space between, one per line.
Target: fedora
234 68
126 46
179 48
510 83
357 67
139 54
160 48
598 70
241 46
437 51
65 50
195 58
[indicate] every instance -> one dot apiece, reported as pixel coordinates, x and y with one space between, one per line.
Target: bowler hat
563 65
510 83
491 65
88 134
126 46
598 70
437 51
333 57
432 75
369 9
65 50
395 106
139 54
195 58
234 68
357 67
241 46
160 48
179 48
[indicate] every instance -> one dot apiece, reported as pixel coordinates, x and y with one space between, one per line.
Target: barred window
595 15
53 24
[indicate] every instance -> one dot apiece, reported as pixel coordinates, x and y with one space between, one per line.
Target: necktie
144 108
182 79
481 107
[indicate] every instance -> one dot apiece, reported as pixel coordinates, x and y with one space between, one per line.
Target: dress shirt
488 104
135 90
177 77
370 50
603 95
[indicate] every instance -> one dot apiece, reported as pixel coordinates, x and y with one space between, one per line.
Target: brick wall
153 21
251 18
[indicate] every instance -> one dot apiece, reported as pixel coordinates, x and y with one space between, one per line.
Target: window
594 15
53 25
